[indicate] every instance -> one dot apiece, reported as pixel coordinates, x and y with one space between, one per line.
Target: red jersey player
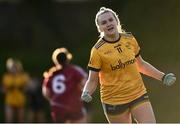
62 87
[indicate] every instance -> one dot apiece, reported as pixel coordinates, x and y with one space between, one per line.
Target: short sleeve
95 60
136 47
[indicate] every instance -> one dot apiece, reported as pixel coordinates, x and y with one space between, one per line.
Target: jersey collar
112 41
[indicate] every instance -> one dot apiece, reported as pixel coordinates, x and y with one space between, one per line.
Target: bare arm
147 69
83 81
45 93
92 82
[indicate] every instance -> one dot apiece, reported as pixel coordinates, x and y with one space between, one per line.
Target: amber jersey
120 81
14 85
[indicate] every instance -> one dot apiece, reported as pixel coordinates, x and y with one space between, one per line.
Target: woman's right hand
86 96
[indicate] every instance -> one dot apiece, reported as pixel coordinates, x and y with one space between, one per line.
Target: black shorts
119 109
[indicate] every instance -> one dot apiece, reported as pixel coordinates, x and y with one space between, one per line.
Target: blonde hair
14 62
58 51
103 10
57 66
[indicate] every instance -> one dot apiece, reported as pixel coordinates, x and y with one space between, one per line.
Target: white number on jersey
58 85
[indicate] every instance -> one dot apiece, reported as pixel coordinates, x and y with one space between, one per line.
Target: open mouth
110 29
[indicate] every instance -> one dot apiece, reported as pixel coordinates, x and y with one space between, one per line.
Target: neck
112 37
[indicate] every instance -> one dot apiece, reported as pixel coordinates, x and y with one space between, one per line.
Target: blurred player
116 62
62 86
35 101
14 83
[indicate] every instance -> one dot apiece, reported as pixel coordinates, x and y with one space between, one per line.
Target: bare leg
143 113
20 114
9 113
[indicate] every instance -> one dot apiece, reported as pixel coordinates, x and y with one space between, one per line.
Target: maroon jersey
64 87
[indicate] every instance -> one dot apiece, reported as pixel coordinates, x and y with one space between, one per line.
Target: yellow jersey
120 80
14 85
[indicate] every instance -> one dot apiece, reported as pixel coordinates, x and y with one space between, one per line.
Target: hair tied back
102 8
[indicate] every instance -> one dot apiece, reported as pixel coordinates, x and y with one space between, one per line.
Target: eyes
106 21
